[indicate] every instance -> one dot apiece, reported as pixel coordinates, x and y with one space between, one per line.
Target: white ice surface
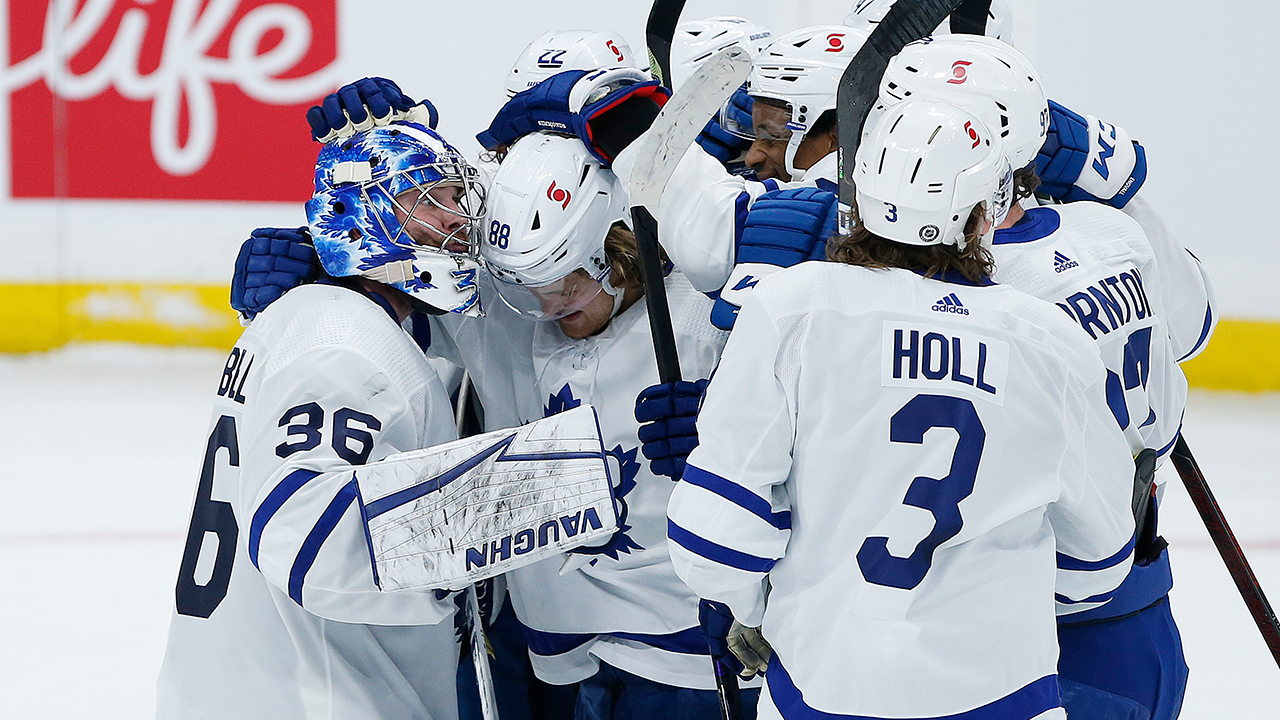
101 448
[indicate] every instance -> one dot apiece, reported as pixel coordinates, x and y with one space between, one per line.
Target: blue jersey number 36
940 496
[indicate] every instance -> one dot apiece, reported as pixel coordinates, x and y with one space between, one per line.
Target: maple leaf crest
561 401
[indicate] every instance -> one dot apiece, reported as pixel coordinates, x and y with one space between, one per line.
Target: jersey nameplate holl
451 515
944 360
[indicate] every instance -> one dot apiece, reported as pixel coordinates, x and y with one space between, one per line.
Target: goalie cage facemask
360 228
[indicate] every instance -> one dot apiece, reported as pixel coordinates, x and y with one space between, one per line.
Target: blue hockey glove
783 228
669 431
607 109
270 262
361 105
716 621
1084 158
721 141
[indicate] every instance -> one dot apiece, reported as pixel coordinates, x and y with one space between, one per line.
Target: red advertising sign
166 99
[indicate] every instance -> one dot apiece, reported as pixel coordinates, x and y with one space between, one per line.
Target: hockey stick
479 643
659 31
658 152
1228 547
907 21
970 17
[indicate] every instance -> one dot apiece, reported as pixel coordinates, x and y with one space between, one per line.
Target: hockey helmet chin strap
615 292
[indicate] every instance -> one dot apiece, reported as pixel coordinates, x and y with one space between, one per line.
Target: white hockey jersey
322 382
495 351
1189 299
889 467
1096 264
626 607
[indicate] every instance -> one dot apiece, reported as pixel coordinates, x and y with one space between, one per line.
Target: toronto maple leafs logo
561 401
625 478
620 541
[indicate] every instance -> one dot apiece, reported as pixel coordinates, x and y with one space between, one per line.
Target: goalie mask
552 204
558 51
801 70
922 170
397 205
984 76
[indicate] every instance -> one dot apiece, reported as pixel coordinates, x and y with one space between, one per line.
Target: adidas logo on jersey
950 304
1062 262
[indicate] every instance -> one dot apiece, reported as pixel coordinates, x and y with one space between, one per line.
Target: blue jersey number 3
940 496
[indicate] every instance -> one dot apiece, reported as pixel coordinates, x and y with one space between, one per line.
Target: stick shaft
1225 540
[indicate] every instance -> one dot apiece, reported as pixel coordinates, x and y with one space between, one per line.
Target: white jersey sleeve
736 493
1190 300
701 214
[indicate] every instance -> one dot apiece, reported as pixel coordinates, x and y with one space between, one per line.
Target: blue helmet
368 193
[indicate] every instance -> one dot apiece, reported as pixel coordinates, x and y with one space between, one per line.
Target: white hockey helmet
866 14
802 69
552 204
982 75
924 167
697 40
361 218
557 51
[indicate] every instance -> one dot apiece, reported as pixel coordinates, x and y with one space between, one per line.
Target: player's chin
772 172
575 325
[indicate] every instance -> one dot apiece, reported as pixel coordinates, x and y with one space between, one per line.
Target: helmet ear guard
358 223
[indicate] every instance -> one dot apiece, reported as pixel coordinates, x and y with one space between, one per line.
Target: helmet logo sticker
835 42
560 195
552 58
973 134
929 233
959 72
614 48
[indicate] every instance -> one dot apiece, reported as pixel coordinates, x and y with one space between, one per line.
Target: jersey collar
955 278
1038 223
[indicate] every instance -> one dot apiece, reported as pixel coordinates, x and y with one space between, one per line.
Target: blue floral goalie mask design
399 205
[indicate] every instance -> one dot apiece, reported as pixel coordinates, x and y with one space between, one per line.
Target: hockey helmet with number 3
982 75
370 188
557 51
551 206
922 170
802 70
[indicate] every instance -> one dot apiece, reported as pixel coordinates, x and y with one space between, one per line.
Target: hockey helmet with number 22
924 167
359 215
557 51
551 206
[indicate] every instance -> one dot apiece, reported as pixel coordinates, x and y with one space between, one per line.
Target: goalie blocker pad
447 516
